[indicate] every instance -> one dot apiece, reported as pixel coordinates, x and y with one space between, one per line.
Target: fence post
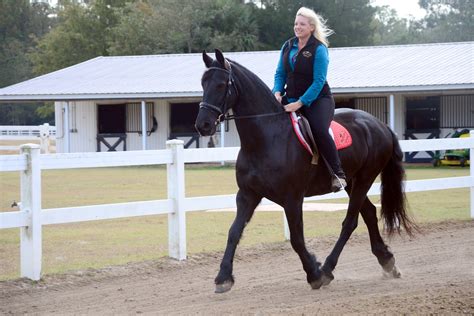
177 219
44 138
471 172
286 228
30 236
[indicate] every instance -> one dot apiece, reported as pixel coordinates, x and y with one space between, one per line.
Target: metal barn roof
421 67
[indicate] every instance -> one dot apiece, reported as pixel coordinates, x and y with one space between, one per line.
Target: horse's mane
254 81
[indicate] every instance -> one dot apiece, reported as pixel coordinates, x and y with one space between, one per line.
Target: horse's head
219 95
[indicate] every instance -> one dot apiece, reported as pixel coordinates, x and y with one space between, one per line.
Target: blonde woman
300 84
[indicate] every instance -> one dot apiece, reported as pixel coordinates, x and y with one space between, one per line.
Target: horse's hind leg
247 201
379 249
294 215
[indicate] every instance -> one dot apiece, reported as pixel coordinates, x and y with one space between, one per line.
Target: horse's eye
220 86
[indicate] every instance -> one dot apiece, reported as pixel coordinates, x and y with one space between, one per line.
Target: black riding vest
299 79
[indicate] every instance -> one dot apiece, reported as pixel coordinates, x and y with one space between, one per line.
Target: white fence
32 217
44 133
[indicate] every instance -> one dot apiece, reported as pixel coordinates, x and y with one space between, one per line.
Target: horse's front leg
294 215
247 201
357 195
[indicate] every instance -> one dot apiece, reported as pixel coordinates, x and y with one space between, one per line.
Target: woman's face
302 27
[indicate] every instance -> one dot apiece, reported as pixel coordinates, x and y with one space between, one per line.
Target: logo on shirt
307 54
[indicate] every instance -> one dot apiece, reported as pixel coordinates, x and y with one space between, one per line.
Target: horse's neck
254 100
258 131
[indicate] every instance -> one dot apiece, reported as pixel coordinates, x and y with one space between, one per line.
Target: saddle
341 136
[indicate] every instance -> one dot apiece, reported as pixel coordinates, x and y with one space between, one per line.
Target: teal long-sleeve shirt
320 70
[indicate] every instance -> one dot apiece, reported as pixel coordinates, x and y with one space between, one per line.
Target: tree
447 21
350 20
81 34
389 28
161 26
238 28
136 31
21 23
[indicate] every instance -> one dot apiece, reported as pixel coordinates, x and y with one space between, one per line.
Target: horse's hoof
394 274
224 287
325 279
390 270
389 265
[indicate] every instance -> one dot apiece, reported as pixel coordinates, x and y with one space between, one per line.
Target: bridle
228 92
222 114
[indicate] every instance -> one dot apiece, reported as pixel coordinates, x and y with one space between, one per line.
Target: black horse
273 164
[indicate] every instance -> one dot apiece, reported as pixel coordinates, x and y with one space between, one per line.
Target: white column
30 236
392 113
177 219
471 170
143 125
67 146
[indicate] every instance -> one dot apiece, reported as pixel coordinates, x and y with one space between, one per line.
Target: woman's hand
278 96
294 106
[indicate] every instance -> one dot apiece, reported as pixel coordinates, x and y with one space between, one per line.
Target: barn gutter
144 125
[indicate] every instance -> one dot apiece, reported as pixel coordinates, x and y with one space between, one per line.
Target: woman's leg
320 115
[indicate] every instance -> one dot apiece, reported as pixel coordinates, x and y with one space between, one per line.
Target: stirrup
338 184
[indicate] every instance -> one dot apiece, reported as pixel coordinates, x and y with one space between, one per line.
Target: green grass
111 242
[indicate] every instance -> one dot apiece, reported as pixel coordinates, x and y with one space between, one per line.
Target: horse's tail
394 210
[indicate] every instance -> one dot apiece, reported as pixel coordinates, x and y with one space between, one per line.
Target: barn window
134 117
422 113
182 118
125 118
111 118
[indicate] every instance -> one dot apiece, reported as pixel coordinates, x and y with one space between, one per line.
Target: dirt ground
437 268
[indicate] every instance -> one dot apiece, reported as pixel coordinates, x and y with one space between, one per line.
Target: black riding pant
320 114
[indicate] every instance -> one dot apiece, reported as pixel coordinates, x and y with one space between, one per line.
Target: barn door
111 119
422 122
182 119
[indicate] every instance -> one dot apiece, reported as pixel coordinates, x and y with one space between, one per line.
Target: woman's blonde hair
321 31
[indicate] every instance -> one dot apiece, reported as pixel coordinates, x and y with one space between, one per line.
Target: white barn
420 91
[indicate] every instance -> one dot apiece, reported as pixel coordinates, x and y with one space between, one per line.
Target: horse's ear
220 58
207 59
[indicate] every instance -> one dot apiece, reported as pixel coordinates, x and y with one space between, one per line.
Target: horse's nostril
204 128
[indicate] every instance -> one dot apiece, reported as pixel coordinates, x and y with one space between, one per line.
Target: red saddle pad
342 137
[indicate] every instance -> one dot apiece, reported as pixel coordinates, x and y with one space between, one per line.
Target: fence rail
44 133
32 217
20 130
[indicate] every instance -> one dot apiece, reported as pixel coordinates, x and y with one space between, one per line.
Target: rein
222 114
229 117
